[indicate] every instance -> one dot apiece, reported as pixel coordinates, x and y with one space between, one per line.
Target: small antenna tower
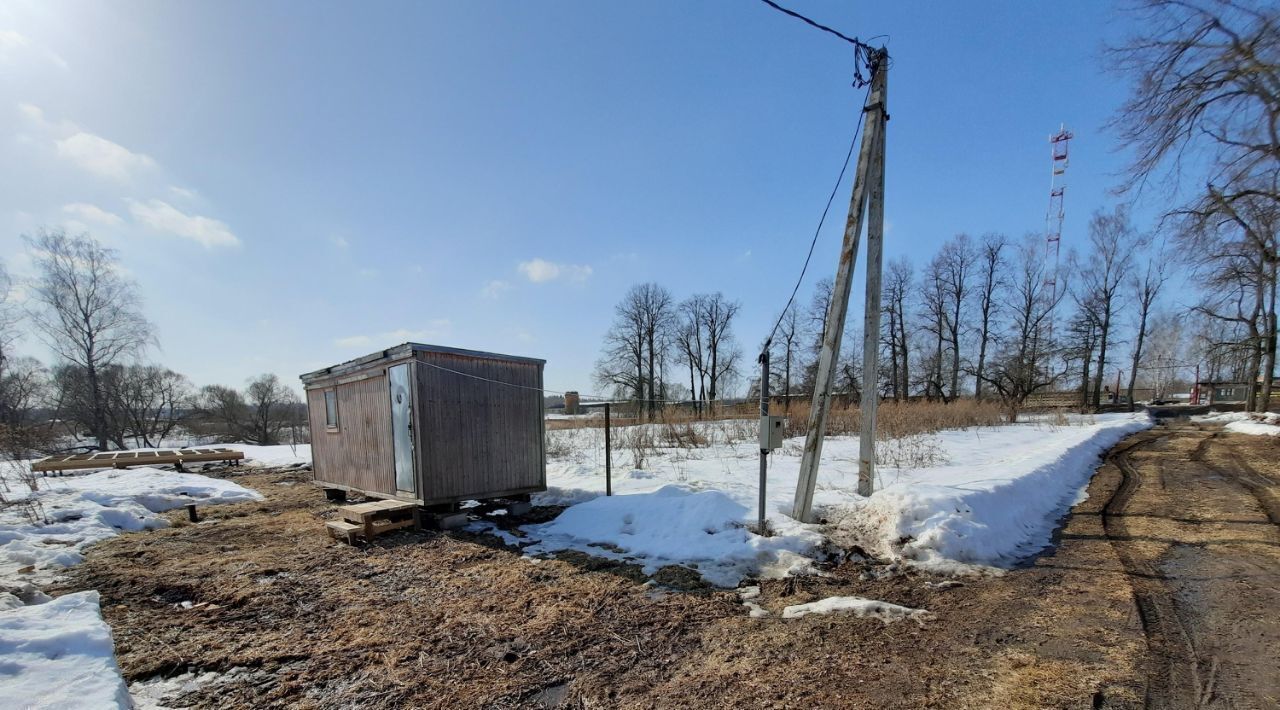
1058 144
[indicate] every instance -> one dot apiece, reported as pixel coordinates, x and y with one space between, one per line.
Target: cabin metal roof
405 350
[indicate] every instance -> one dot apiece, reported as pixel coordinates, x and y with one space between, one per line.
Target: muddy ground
1161 591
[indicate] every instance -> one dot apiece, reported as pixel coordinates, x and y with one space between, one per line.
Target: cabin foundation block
519 508
448 521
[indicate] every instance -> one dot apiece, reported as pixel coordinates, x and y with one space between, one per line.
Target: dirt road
1194 523
1162 591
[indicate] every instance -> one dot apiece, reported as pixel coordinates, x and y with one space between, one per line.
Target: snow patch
59 655
83 510
860 607
676 525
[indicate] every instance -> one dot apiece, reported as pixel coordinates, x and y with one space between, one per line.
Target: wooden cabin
430 424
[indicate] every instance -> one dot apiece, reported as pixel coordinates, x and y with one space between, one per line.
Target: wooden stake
833 331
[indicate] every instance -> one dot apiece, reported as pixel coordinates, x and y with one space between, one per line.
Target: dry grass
895 420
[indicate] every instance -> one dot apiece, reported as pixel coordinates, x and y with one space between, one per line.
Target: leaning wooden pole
833 330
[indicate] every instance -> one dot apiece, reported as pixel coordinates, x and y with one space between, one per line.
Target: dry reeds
895 420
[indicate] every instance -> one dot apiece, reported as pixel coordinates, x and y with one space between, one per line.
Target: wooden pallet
122 459
368 520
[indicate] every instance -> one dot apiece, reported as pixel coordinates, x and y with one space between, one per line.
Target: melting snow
58 653
857 606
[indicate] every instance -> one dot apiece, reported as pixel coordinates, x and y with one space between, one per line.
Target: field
938 591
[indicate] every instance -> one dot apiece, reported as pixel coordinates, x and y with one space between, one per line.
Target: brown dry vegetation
456 619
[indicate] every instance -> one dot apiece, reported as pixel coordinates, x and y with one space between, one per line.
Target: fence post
764 436
608 454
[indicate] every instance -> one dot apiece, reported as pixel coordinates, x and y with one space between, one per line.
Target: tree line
100 392
655 343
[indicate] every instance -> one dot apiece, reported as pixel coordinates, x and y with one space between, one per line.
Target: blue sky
295 184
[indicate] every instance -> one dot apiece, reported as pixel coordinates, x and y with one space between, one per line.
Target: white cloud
540 271
440 327
367 272
165 218
32 112
495 288
91 213
339 242
14 45
183 192
102 157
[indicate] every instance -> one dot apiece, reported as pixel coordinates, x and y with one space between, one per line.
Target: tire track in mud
1173 665
1262 489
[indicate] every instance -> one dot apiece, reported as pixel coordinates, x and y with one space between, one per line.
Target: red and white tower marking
1058 144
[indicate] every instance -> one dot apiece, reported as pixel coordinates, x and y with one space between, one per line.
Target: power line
851 40
821 221
863 53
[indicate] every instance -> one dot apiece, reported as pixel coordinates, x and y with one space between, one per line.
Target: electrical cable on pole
868 198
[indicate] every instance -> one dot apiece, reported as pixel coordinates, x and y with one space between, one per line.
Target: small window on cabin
331 409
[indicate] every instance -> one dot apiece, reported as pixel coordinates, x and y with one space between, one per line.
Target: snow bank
82 510
1252 423
1253 427
273 456
59 655
993 508
993 499
675 525
884 611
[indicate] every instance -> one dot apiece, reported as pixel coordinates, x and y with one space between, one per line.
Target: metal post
833 329
764 435
608 454
871 318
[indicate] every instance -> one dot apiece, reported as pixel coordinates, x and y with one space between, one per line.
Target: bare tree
689 349
149 401
723 353
1102 273
1205 91
991 267
1232 247
934 315
1026 358
957 261
258 416
86 311
1163 355
641 332
786 343
1145 287
816 321
898 286
1082 330
9 317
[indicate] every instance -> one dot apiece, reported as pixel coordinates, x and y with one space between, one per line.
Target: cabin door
402 427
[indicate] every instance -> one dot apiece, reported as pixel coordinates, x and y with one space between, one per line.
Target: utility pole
870 172
764 432
871 320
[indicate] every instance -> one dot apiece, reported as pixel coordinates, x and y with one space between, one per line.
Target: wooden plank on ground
131 458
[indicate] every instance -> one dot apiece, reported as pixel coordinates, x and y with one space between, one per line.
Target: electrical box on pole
772 429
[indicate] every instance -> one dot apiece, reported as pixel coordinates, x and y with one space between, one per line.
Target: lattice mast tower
1058 144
